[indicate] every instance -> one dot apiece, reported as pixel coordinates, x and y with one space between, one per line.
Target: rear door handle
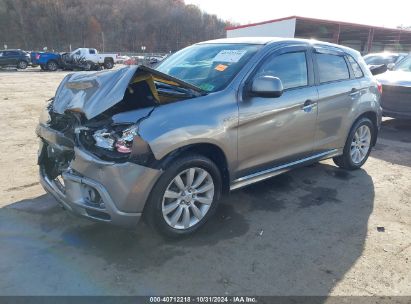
354 92
308 105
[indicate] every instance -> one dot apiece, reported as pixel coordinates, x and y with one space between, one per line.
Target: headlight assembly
125 142
116 139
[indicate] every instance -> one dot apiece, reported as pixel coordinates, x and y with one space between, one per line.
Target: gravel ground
317 230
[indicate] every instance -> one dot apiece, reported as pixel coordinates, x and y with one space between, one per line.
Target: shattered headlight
125 142
104 139
116 140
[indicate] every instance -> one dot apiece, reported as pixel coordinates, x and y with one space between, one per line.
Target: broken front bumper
99 190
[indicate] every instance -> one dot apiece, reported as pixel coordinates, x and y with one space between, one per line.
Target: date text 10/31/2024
203 299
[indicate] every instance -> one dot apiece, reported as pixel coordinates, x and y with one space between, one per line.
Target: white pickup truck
91 55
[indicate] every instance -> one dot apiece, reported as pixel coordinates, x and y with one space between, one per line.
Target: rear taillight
379 86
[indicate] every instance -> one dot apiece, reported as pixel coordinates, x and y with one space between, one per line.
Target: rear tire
88 66
52 66
22 65
185 196
108 64
358 145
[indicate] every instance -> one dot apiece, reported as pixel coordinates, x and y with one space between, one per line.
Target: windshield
404 65
208 66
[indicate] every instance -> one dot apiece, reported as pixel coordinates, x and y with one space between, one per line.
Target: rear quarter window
358 73
332 68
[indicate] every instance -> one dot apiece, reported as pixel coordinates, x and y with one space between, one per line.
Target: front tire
358 145
52 66
184 197
22 65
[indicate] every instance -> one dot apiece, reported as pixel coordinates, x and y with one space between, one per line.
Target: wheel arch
209 150
374 119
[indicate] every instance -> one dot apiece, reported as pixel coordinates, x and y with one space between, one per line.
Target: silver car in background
166 143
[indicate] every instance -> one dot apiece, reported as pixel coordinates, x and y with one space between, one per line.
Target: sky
371 12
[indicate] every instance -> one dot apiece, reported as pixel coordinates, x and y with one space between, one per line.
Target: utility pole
102 38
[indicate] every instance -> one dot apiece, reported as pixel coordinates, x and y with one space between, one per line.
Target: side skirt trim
262 175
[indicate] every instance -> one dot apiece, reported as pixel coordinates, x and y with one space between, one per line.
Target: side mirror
267 86
378 69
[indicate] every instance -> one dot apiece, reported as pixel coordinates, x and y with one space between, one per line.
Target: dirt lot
313 231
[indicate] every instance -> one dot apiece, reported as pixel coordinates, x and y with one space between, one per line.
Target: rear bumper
99 190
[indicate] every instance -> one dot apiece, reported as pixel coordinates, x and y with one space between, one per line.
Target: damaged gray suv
166 143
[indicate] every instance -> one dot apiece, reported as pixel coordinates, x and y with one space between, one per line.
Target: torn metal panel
94 93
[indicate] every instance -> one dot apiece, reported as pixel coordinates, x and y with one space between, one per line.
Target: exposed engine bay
100 112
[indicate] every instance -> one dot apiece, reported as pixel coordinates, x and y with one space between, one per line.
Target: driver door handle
308 105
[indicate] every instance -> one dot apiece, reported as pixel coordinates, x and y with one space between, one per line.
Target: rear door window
332 68
290 68
91 51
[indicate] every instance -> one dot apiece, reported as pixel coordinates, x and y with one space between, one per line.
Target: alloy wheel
109 65
360 144
22 65
188 198
52 66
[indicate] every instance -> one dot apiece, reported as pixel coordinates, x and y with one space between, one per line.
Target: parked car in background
92 56
389 59
80 59
122 59
166 143
49 61
130 61
14 58
396 90
78 63
153 60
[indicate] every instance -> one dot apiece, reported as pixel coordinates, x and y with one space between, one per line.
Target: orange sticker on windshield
221 67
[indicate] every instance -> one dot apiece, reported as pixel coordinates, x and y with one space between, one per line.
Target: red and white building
364 38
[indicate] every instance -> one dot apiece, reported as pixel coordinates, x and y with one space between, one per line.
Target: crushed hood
92 93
